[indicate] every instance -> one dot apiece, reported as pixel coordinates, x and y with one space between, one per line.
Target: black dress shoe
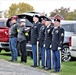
56 71
47 68
12 60
33 66
43 67
23 62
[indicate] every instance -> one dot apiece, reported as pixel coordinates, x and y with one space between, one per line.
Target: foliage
62 11
15 9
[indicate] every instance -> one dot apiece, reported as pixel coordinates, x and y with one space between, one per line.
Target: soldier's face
35 19
56 23
47 23
43 22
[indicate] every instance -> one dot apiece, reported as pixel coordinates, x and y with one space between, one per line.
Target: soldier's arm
61 37
26 29
38 29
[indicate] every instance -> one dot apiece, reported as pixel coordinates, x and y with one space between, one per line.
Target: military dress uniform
41 42
34 38
57 42
47 44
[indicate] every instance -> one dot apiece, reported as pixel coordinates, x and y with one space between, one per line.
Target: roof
59 16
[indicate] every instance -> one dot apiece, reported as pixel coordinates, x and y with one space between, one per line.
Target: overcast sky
41 5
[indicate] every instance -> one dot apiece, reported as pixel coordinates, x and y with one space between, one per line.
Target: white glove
44 45
59 48
50 46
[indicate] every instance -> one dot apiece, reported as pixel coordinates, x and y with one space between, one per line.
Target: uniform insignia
48 30
56 31
43 28
35 26
62 34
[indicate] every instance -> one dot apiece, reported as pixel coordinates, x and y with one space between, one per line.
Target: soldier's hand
59 48
50 46
44 45
27 28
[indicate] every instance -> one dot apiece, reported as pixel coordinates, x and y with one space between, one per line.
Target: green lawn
68 68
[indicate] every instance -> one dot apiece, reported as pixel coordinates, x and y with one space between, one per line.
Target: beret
56 19
36 16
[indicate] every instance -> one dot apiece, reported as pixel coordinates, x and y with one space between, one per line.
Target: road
9 68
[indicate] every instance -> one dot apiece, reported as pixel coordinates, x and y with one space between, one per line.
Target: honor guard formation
46 40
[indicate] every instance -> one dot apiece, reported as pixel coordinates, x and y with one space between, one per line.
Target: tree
6 13
15 9
62 11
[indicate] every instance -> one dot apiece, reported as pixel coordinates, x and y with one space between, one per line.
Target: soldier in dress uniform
41 41
57 43
34 38
47 43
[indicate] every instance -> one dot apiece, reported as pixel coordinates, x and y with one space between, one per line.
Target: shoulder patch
35 26
62 34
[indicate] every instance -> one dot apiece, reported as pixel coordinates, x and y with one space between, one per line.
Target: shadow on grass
5 54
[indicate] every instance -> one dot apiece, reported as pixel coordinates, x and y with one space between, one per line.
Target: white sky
41 5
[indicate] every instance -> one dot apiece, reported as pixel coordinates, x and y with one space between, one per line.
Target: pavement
9 68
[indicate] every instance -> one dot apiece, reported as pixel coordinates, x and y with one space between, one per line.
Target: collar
36 22
48 26
56 27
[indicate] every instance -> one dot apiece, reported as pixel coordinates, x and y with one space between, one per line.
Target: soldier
13 39
57 42
47 43
22 40
41 41
34 37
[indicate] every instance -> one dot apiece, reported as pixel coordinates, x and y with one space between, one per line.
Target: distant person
22 40
13 39
57 43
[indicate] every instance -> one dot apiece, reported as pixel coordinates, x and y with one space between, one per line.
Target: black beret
47 19
43 19
56 19
36 16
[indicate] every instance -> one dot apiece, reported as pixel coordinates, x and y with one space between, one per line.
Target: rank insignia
56 31
62 34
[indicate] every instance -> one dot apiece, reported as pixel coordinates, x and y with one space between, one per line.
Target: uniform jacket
41 35
48 37
21 33
35 33
57 38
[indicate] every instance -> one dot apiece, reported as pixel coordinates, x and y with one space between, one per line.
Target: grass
68 68
7 56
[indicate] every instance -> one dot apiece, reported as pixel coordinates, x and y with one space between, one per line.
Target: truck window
68 27
74 27
2 23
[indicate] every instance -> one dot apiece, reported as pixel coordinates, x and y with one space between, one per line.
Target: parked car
70 29
72 43
4 30
4 38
